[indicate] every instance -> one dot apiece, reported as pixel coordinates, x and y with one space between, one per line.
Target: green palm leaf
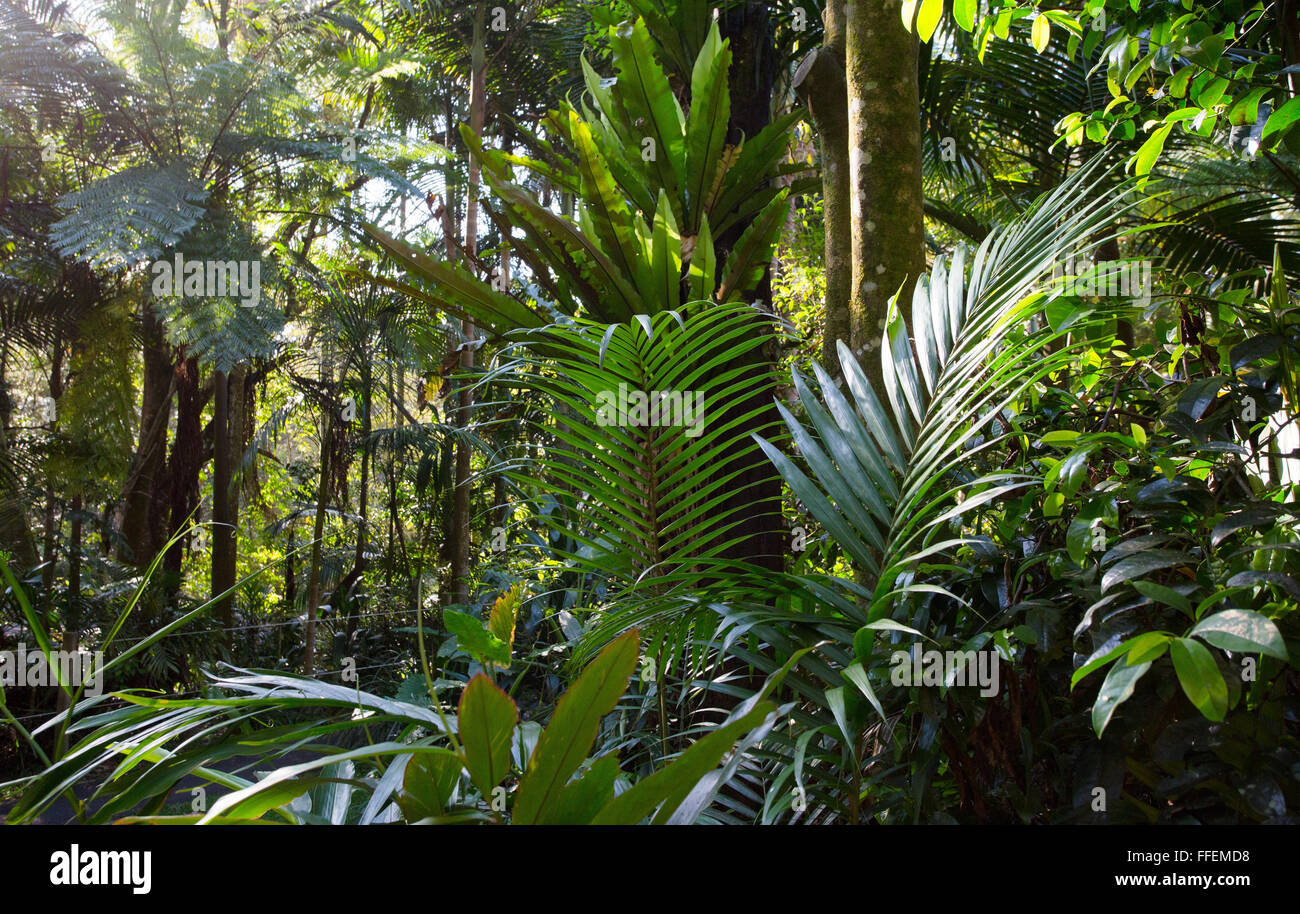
886 482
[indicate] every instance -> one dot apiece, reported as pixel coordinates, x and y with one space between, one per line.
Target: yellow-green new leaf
704 264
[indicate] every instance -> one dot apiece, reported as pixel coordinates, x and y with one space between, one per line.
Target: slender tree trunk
1108 251
223 529
464 399
363 504
184 464
1288 26
51 524
820 82
317 535
48 540
451 534
72 629
886 212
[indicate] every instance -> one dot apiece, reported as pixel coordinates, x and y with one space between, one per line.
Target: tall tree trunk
223 529
820 82
886 214
317 533
755 492
72 616
184 464
451 535
51 525
290 575
145 504
1288 26
363 506
464 399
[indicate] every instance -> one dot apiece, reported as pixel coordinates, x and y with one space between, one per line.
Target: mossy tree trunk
884 136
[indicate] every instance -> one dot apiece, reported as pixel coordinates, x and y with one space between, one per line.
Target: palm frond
646 489
886 481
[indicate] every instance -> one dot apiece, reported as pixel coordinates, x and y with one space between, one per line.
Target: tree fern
133 215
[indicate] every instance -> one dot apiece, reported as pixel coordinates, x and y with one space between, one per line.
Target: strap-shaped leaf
644 88
752 253
569 736
704 264
706 127
474 296
609 213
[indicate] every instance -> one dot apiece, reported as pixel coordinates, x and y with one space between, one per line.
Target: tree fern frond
124 218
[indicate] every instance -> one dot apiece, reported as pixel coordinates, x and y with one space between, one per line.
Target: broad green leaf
1115 690
964 12
567 739
501 619
1059 438
584 797
1162 594
428 783
603 202
1147 647
928 20
706 128
858 676
1200 677
1100 660
1246 109
487 721
1042 32
1137 565
644 88
495 309
474 639
1281 120
701 276
1241 630
1145 158
669 786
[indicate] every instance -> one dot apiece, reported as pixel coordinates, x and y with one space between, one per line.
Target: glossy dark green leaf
1200 678
1241 630
1116 689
